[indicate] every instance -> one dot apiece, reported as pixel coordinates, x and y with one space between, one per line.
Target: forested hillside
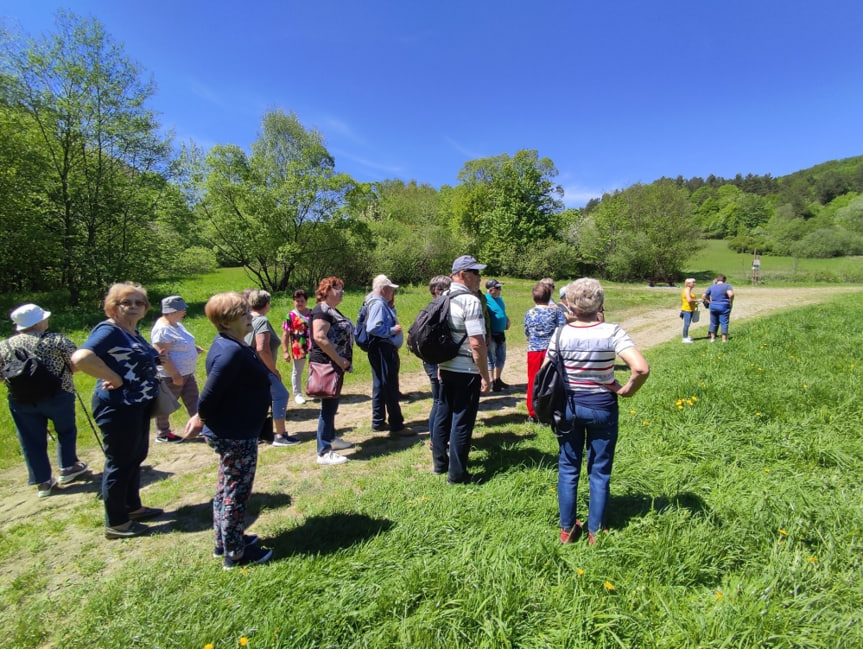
94 190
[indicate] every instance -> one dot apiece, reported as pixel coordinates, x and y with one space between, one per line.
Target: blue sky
613 92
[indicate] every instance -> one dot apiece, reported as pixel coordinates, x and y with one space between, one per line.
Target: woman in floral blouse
297 342
539 325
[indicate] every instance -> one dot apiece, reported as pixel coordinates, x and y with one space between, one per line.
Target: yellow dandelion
209 645
680 407
757 414
760 370
812 559
645 423
718 593
244 641
694 398
245 571
609 586
632 412
805 387
766 470
678 402
579 572
783 532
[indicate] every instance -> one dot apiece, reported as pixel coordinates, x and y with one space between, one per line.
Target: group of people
244 384
717 299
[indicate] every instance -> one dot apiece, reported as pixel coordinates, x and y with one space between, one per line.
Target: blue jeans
31 425
125 431
687 320
719 319
327 424
597 429
384 359
279 395
454 421
431 371
496 354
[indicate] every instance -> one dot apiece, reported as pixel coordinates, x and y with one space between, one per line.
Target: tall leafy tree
505 203
103 155
642 232
268 210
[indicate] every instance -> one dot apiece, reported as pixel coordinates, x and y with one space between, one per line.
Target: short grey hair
258 299
585 296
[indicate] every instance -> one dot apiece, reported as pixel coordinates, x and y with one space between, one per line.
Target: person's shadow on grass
327 534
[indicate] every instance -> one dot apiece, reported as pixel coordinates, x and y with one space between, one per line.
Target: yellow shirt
685 305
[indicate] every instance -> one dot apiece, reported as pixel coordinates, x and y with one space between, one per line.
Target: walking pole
90 421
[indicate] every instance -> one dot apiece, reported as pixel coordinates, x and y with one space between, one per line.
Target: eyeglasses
473 271
128 303
339 289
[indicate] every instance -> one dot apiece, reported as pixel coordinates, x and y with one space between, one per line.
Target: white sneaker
331 458
687 340
339 444
299 399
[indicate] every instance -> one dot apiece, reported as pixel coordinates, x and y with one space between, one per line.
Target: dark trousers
454 421
125 432
384 359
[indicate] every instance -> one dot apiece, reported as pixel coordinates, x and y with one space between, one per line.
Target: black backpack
429 337
27 377
361 336
549 390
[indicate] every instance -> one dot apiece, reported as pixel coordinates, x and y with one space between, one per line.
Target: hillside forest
93 190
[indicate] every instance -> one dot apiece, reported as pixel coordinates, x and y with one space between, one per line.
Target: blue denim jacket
382 319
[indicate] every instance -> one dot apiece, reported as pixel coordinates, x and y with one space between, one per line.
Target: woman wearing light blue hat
179 355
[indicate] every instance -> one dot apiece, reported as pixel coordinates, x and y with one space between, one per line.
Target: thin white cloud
335 126
340 154
470 155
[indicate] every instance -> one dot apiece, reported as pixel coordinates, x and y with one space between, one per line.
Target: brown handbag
325 381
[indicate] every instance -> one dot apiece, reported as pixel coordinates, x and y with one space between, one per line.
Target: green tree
642 232
505 203
267 211
103 159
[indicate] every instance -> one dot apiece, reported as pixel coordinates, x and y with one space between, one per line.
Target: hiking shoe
404 431
251 554
44 488
132 528
286 440
68 474
572 534
248 541
168 437
145 513
338 444
331 458
496 386
383 428
687 340
299 400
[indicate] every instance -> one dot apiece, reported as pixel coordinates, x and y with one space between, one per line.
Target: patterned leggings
238 459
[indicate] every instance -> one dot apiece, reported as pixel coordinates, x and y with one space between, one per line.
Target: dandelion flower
632 412
209 645
718 593
244 641
766 470
812 559
609 586
645 423
580 572
694 398
805 387
783 532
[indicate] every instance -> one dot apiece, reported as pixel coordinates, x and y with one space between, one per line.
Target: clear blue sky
613 92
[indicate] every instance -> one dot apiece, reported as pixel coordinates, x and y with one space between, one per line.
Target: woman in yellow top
688 306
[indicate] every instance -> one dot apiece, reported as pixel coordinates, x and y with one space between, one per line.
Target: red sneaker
571 535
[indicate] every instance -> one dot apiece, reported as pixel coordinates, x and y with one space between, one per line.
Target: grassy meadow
735 519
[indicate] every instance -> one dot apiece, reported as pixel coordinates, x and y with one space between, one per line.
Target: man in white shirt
463 378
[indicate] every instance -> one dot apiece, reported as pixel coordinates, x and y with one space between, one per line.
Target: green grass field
735 522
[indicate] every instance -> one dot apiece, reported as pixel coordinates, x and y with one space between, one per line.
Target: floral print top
540 323
297 326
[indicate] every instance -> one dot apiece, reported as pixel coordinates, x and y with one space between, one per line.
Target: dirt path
648 328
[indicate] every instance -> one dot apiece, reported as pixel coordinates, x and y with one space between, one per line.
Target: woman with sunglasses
125 365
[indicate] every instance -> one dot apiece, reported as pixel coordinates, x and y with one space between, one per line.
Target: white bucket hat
28 315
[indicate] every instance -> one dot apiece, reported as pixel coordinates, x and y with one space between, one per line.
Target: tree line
93 190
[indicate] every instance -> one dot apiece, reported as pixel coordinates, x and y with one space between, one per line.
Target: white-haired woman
588 346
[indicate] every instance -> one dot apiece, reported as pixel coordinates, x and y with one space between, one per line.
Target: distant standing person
57 405
497 337
688 306
720 297
264 340
540 323
297 342
332 342
179 354
233 407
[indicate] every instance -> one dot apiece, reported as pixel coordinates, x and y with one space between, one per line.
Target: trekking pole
90 421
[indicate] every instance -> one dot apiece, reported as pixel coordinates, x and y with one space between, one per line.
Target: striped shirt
465 317
588 355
